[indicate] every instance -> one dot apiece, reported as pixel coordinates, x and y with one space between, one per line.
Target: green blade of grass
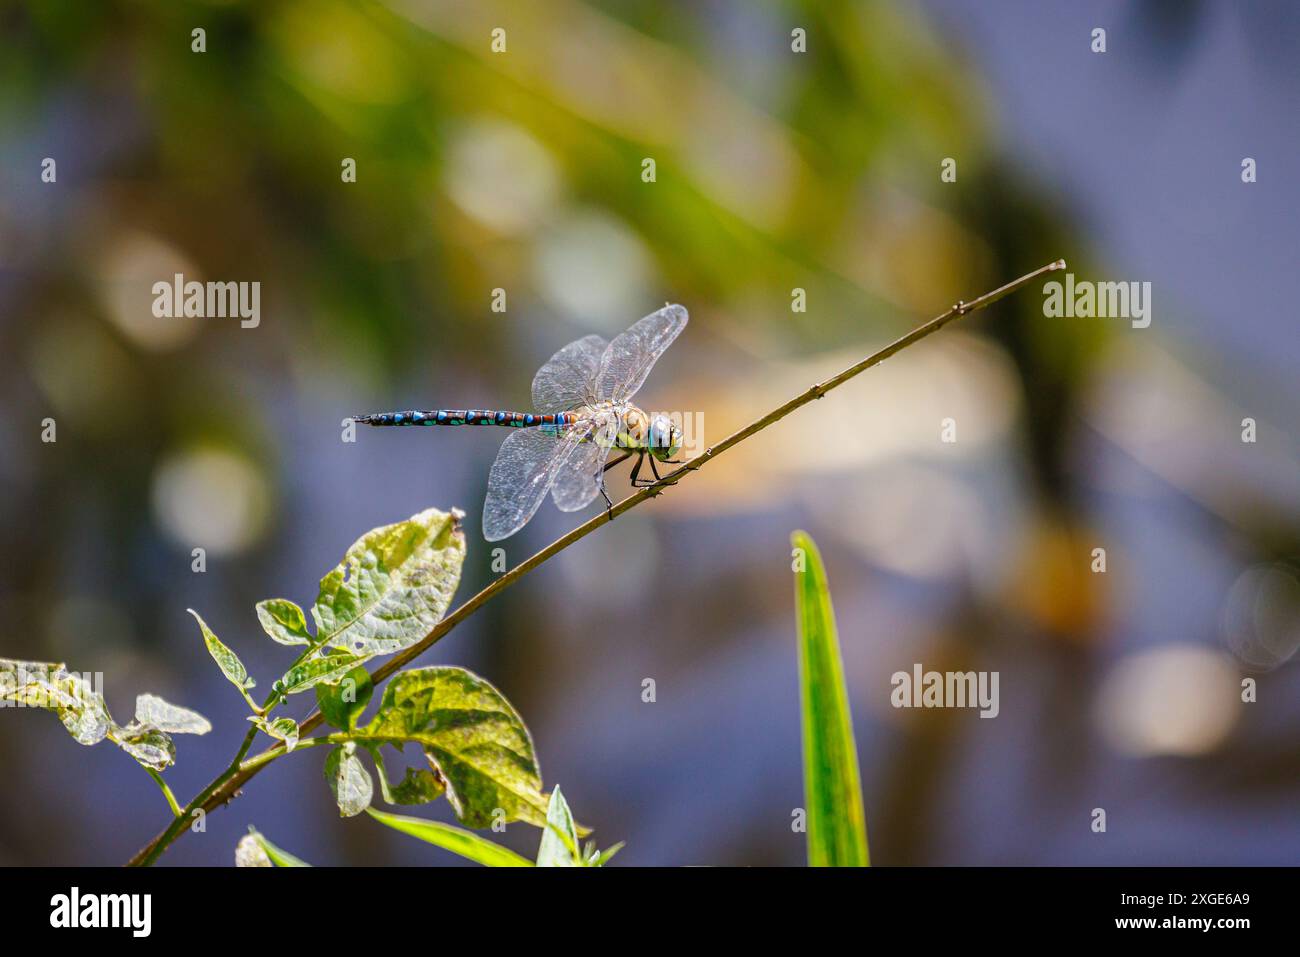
457 840
279 857
837 826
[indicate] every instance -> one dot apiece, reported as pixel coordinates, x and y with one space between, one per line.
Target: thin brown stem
228 784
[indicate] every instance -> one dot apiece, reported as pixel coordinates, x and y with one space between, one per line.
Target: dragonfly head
665 438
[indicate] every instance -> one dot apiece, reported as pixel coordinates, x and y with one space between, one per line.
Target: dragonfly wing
568 379
579 481
629 358
524 471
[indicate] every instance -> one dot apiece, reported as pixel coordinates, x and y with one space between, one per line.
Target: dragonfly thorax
629 427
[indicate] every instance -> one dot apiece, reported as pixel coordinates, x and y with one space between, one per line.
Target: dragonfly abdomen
514 420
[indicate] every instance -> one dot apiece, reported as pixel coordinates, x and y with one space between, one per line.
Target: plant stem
253 764
252 704
227 785
167 792
243 748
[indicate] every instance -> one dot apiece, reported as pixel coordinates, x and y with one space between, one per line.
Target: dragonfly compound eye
665 437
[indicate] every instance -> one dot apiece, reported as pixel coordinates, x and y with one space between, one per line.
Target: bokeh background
775 170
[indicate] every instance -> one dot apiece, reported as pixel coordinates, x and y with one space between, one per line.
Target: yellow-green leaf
837 828
457 840
349 780
325 669
282 729
418 786
472 736
273 855
226 659
393 585
51 686
151 747
153 711
342 702
283 621
559 847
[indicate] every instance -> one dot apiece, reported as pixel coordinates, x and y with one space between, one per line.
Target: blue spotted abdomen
510 420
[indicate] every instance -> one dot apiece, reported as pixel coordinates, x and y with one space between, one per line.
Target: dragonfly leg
646 483
609 505
618 461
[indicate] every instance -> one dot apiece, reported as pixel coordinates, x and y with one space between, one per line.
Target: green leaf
283 621
273 854
393 585
416 787
342 702
559 847
282 729
79 706
153 711
326 669
349 780
18 676
250 852
28 683
151 747
226 659
457 840
82 709
600 859
473 738
837 828
84 714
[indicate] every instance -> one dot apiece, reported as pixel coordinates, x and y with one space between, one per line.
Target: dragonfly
582 402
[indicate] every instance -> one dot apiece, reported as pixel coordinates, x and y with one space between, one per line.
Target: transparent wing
568 379
579 481
524 471
629 358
